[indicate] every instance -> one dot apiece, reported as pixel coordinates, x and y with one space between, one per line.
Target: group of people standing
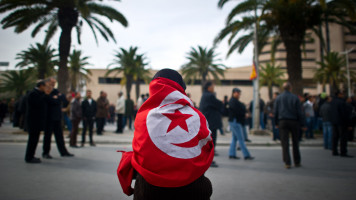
212 108
43 113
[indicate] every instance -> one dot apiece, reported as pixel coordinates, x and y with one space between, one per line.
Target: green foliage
271 75
77 72
201 63
23 14
333 71
40 58
17 82
132 66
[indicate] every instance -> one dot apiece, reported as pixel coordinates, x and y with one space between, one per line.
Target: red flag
253 75
172 143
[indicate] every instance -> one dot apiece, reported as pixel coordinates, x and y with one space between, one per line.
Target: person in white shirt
120 111
140 101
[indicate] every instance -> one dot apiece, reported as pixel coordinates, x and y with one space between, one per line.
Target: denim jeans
328 134
237 134
309 133
274 129
262 120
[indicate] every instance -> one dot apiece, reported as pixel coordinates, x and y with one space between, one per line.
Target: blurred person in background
89 111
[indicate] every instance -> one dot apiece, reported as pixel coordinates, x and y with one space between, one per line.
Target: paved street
91 174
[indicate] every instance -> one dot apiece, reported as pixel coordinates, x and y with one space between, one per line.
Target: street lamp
346 52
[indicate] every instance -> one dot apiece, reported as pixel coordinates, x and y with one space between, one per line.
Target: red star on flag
177 119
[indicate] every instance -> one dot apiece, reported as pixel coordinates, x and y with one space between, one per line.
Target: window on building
109 80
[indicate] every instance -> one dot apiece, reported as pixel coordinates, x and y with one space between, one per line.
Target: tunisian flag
172 145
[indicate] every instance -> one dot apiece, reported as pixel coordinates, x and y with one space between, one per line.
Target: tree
333 71
245 25
77 72
17 81
141 74
290 19
65 14
271 75
41 58
132 65
202 63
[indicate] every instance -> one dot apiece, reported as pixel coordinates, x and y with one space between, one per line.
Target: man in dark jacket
325 114
102 112
36 115
129 111
237 115
289 119
89 112
211 108
54 123
340 119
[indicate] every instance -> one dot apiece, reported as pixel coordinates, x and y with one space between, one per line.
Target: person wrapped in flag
172 145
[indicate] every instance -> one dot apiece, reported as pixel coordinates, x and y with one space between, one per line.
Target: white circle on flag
158 124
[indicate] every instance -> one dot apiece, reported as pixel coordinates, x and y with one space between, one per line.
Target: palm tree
65 14
132 65
290 19
271 75
41 58
141 74
333 71
202 63
17 81
245 25
77 72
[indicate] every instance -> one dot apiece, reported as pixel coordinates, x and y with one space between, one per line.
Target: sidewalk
9 134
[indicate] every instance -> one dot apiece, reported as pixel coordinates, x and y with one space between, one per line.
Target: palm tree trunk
129 80
137 88
270 91
203 81
67 18
327 32
293 41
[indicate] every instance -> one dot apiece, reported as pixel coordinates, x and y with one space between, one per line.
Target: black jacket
54 106
211 108
287 107
341 115
325 112
88 110
36 110
237 110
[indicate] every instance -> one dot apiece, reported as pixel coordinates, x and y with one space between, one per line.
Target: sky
164 30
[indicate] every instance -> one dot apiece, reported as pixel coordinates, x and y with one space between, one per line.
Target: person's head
287 86
348 100
275 95
225 98
69 96
236 93
102 94
52 81
301 98
209 86
171 75
147 95
329 99
340 94
120 94
41 85
78 96
142 96
88 94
